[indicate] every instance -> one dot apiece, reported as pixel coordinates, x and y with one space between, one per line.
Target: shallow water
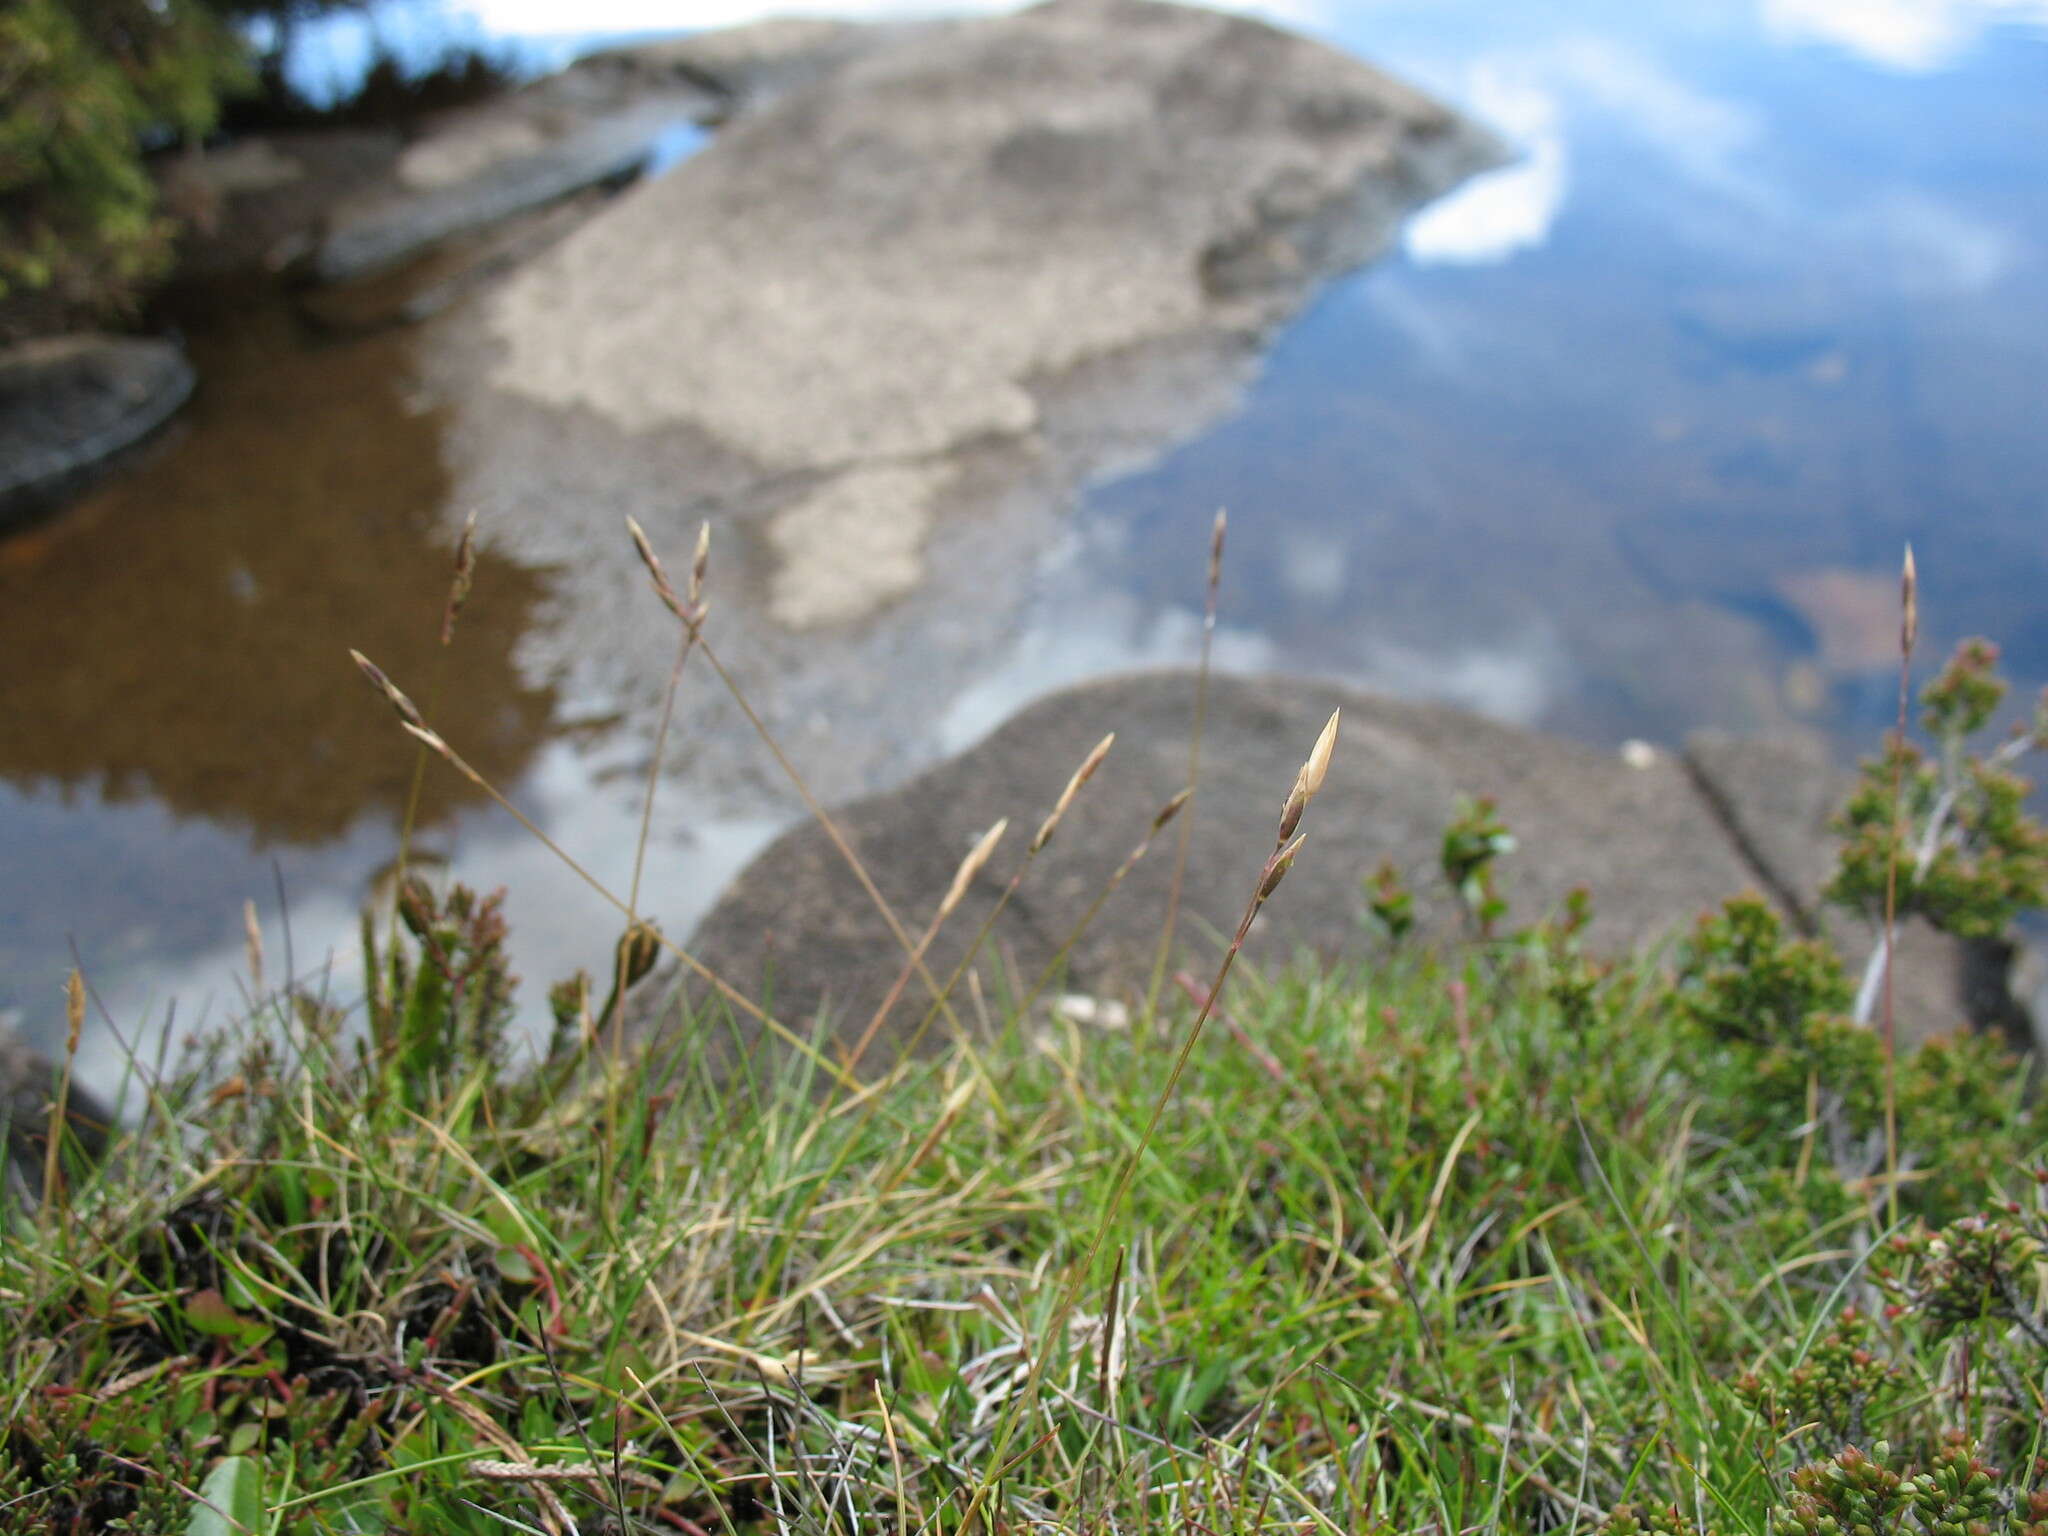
1624 442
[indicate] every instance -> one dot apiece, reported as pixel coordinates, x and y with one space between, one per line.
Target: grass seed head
465 573
414 721
1310 779
1172 808
655 569
1909 593
971 865
1283 861
1081 776
699 563
252 940
74 1010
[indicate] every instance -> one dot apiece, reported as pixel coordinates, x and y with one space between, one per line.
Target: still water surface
1625 440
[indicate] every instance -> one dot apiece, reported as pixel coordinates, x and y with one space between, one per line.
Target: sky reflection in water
1625 439
1628 437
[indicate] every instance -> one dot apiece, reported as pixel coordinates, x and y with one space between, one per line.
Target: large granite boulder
1655 839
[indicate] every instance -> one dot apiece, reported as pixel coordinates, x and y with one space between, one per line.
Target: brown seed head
1081 776
425 735
465 572
1172 808
1216 548
971 865
74 1010
397 700
1276 871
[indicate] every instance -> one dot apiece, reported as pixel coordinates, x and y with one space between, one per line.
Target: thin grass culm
1169 925
691 611
1286 847
415 725
1909 634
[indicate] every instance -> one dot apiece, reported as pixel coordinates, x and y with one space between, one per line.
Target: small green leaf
232 1498
515 1266
209 1312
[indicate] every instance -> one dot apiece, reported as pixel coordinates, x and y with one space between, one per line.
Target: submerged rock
1652 847
68 404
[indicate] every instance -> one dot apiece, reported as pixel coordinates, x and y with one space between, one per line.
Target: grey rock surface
876 268
1645 841
745 67
506 173
68 404
886 324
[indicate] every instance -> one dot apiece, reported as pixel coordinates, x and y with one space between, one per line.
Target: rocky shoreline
921 285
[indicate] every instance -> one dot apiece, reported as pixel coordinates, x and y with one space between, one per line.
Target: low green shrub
83 83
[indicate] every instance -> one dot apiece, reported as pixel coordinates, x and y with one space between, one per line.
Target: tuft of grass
1364 1272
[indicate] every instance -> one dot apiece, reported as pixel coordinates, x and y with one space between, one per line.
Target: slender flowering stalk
1163 955
1909 632
977 858
692 627
1306 783
1160 820
409 719
393 695
915 960
1081 776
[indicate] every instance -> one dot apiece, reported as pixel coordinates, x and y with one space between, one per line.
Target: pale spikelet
1171 809
699 563
252 942
1310 779
1909 588
414 721
971 866
465 572
1081 776
1216 549
74 1010
652 561
1282 861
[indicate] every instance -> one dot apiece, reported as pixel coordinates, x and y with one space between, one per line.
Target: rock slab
890 262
